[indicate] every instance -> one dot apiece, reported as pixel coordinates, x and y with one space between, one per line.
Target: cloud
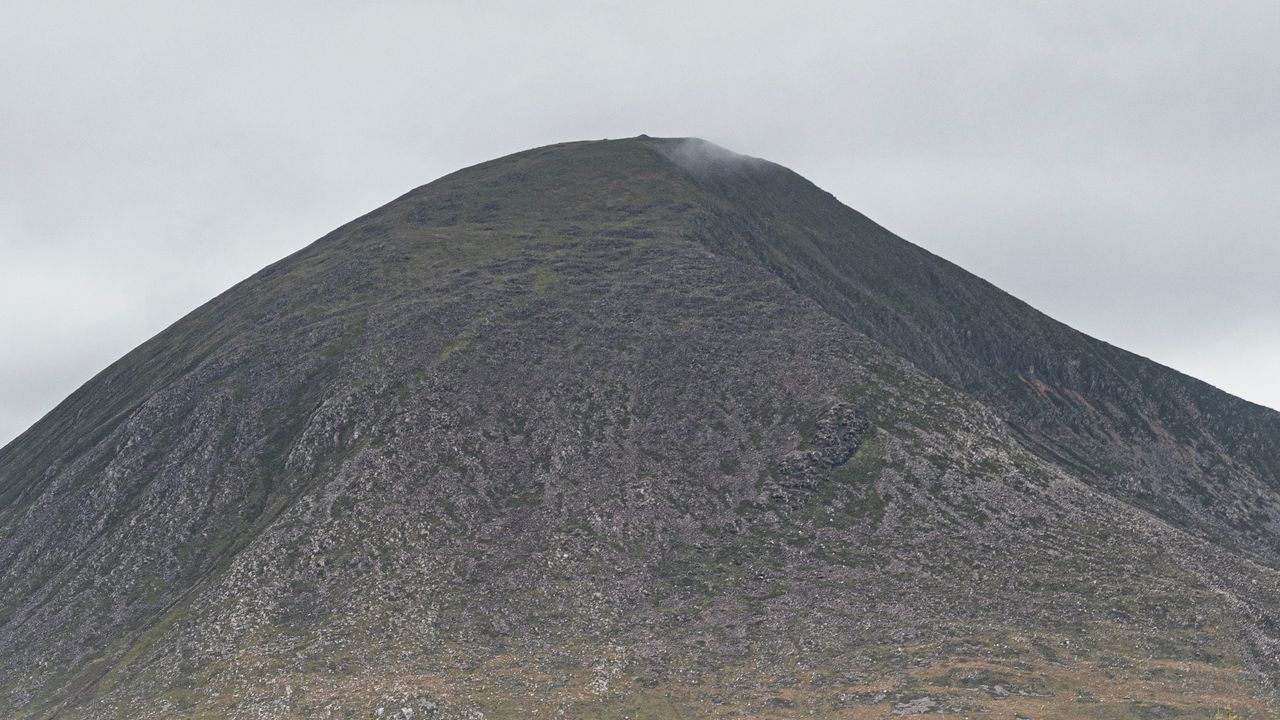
697 156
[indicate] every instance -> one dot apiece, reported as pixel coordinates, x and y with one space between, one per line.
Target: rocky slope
645 429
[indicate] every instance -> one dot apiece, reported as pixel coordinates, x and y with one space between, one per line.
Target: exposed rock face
635 428
838 435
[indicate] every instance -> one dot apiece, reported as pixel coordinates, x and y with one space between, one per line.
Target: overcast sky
1116 164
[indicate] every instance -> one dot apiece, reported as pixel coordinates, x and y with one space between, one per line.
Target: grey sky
1115 164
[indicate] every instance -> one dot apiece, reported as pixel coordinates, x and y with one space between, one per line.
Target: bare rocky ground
635 429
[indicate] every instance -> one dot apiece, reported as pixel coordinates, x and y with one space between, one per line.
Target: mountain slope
634 428
1169 443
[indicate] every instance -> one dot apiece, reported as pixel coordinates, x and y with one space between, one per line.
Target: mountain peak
643 428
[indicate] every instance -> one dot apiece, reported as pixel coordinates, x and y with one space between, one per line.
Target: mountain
636 429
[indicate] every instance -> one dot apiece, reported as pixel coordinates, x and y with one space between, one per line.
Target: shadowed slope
1151 435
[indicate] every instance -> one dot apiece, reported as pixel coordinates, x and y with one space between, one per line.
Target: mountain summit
636 428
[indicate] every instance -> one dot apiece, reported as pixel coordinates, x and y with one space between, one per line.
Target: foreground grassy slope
538 439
